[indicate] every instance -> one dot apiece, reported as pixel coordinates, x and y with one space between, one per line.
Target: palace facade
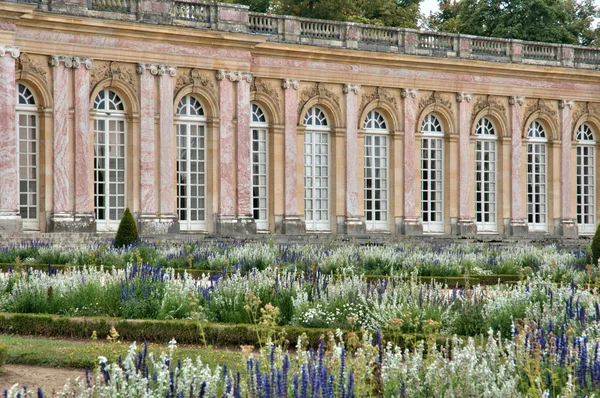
204 117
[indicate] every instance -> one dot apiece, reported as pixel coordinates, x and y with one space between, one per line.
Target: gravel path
50 379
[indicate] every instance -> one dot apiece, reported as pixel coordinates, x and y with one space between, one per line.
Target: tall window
485 176
432 185
316 170
109 160
191 164
585 177
258 129
376 171
27 119
537 206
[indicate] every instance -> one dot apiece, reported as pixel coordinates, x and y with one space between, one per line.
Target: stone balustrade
237 18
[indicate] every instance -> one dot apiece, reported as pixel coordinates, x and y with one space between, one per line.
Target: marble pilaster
352 222
518 223
411 224
244 147
567 226
148 206
10 219
466 226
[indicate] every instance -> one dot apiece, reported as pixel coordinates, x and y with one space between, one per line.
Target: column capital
566 103
69 62
88 63
460 97
514 100
13 51
351 88
156 69
409 92
234 76
290 83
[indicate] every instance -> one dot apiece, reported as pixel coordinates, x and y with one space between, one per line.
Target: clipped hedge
183 331
127 233
3 355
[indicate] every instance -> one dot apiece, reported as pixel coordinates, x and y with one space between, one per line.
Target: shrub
596 247
127 232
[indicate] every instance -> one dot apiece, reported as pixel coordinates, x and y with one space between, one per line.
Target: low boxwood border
183 331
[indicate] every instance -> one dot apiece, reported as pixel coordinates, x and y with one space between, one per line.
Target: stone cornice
156 69
12 51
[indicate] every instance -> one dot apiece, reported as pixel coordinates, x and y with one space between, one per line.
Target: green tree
127 232
255 5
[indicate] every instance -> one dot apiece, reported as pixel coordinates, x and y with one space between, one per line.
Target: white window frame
585 142
28 110
108 116
492 140
431 136
187 120
259 124
533 144
379 130
312 130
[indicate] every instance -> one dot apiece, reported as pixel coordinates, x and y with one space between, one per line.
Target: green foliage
255 5
553 21
596 247
127 232
3 354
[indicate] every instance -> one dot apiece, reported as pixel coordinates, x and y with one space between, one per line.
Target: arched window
27 127
258 130
432 170
485 176
537 196
191 164
376 171
109 160
316 170
585 176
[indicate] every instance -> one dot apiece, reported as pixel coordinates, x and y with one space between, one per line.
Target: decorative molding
290 83
156 69
514 100
351 88
539 106
316 90
409 92
71 62
434 99
194 77
376 94
234 76
115 71
247 76
460 97
261 87
28 65
488 103
584 109
566 103
13 51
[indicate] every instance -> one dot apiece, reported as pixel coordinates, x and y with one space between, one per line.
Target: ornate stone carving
514 100
434 99
488 103
565 103
290 83
583 109
267 89
88 63
376 94
234 76
9 50
409 92
351 88
539 106
28 65
316 90
156 69
460 97
115 71
194 77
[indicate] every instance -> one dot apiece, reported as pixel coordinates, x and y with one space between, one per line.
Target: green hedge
3 354
183 331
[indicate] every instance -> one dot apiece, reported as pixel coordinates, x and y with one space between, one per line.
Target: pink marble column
83 181
567 224
465 218
63 206
411 224
518 223
168 177
291 87
226 144
244 147
9 178
147 73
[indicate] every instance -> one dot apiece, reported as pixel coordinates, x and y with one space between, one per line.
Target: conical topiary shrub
127 232
596 247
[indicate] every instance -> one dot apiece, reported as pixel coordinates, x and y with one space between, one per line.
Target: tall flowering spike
342 371
295 386
350 389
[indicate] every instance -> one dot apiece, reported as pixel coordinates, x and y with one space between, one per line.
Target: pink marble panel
516 120
8 26
351 154
9 179
61 139
464 204
410 211
168 190
290 144
566 116
244 150
226 167
83 183
147 157
232 15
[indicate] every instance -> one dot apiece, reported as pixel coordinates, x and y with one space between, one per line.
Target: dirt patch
50 379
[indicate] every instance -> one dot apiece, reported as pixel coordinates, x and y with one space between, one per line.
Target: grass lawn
82 354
